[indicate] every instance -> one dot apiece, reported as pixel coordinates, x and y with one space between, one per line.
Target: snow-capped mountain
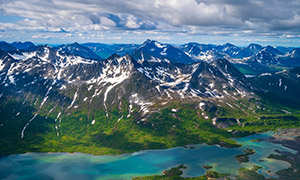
79 50
266 58
52 77
64 69
248 51
53 97
202 52
208 52
164 51
231 52
292 59
228 49
253 59
295 53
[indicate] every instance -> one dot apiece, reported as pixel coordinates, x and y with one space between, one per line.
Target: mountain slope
164 51
292 59
105 50
284 84
202 51
79 50
22 45
6 47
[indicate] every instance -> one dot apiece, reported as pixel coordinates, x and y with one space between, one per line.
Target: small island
251 174
176 172
243 158
205 166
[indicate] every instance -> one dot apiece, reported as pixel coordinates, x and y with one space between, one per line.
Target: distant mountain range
254 54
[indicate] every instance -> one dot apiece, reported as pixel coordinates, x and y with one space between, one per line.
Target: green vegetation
266 114
87 129
291 173
251 174
74 131
242 158
256 69
175 174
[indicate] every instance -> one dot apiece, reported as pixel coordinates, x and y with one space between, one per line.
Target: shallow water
142 163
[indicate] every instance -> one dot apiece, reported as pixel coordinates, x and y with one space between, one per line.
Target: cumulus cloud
230 17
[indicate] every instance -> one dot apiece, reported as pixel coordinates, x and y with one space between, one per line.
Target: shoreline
187 146
200 149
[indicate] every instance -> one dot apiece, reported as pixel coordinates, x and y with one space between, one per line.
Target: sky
241 22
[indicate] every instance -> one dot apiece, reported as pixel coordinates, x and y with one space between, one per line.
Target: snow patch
159 45
24 128
74 99
280 82
201 104
120 118
265 74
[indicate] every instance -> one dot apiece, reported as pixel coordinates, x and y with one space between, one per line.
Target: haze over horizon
268 22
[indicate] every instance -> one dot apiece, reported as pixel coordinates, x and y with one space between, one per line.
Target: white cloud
197 17
132 22
41 36
107 22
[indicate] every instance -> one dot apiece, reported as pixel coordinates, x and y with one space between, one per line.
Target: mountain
253 48
201 52
6 47
273 50
228 49
295 53
284 49
196 48
266 57
79 50
248 51
283 85
105 50
293 58
63 69
268 60
261 62
22 45
53 100
208 52
166 51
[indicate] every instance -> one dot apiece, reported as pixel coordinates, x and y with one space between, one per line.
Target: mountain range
153 95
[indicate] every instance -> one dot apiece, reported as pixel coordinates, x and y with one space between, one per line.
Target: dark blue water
150 162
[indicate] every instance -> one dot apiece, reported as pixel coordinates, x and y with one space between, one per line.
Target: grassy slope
106 136
163 129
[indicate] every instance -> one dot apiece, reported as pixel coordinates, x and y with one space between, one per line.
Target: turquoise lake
149 162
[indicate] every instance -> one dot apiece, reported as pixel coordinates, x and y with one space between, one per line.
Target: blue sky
268 22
